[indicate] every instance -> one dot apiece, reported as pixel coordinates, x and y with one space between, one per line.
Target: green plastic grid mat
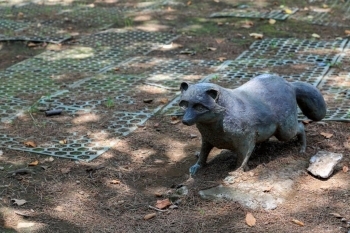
279 14
7 27
237 72
30 82
76 59
11 107
168 73
89 16
123 123
140 42
234 73
74 8
36 32
79 148
311 51
327 16
16 86
83 147
335 88
100 92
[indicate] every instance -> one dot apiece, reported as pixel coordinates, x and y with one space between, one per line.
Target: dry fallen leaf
288 11
30 144
158 194
164 100
59 208
256 35
189 3
115 182
18 202
345 168
174 122
306 121
149 216
336 215
220 40
162 204
65 170
315 35
247 24
31 44
116 68
298 222
211 48
220 23
221 59
326 135
250 220
347 32
272 21
34 163
64 141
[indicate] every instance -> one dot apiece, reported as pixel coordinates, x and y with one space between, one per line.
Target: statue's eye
200 108
183 105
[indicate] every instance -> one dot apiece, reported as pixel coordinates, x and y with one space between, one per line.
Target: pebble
322 164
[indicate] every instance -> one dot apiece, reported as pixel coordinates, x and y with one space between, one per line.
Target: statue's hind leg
301 137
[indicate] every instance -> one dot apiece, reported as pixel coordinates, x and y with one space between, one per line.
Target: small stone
2 168
322 164
229 180
173 207
183 191
147 101
78 181
158 194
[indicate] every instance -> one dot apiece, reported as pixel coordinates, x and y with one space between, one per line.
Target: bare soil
114 191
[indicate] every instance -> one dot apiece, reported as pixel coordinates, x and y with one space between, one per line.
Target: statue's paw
302 150
194 169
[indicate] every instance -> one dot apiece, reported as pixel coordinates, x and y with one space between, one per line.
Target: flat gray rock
322 164
265 190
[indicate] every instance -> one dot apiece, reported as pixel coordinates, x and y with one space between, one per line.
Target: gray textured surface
266 190
236 119
322 164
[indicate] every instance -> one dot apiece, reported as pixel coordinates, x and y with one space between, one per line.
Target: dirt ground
113 192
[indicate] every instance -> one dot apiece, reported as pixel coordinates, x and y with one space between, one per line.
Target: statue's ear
184 86
213 94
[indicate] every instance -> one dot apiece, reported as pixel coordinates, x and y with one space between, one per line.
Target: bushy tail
310 101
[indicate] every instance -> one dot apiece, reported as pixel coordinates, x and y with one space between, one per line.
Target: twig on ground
154 208
21 171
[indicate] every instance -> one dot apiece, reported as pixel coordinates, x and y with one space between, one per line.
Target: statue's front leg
203 156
